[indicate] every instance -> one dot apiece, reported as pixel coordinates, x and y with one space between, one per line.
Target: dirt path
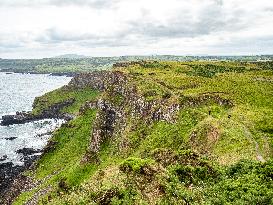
253 141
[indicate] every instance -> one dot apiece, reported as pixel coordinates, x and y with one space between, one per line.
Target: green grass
62 94
64 161
73 140
247 86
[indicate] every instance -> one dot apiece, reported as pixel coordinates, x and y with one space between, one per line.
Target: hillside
72 63
153 132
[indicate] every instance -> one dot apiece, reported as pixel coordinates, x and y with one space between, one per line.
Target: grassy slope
62 94
158 169
249 90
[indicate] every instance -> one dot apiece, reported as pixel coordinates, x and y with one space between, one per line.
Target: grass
247 86
62 94
64 161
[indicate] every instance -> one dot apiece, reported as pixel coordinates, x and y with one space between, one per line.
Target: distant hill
71 56
75 63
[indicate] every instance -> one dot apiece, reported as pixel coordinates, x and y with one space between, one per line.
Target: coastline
11 173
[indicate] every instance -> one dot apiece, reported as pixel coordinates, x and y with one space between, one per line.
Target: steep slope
160 133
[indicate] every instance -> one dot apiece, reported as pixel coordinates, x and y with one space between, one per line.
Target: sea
17 93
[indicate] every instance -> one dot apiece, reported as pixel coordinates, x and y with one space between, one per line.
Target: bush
136 165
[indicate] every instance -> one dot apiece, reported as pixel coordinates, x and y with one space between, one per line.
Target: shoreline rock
3 158
52 112
18 118
28 151
11 177
10 138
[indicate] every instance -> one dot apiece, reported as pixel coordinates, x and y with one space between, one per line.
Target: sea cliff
157 133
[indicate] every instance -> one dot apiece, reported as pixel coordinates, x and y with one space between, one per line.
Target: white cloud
42 28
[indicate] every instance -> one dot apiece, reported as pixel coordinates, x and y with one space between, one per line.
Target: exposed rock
16 186
51 112
18 118
11 138
7 173
12 181
28 151
54 110
205 98
3 158
111 117
43 134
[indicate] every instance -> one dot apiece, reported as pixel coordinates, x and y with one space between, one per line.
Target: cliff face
112 116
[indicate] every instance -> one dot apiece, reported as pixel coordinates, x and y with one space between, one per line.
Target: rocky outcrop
117 83
18 118
10 138
3 158
28 151
52 112
112 117
104 126
205 98
99 80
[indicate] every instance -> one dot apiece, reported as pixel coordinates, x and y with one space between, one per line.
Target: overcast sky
46 28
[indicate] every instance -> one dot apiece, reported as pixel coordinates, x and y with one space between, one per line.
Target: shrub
136 165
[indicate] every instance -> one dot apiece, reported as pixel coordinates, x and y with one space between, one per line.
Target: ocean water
17 93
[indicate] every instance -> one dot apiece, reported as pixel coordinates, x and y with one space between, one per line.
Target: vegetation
72 63
217 151
63 94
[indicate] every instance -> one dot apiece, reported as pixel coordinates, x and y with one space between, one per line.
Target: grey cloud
55 36
245 45
10 46
269 9
147 30
183 25
210 19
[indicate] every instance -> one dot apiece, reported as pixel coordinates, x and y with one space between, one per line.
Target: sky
47 28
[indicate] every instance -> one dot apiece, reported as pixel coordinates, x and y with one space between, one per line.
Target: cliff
158 133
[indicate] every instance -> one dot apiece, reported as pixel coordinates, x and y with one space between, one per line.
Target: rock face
112 117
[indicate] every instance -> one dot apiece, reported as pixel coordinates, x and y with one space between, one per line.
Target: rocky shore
11 173
50 113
